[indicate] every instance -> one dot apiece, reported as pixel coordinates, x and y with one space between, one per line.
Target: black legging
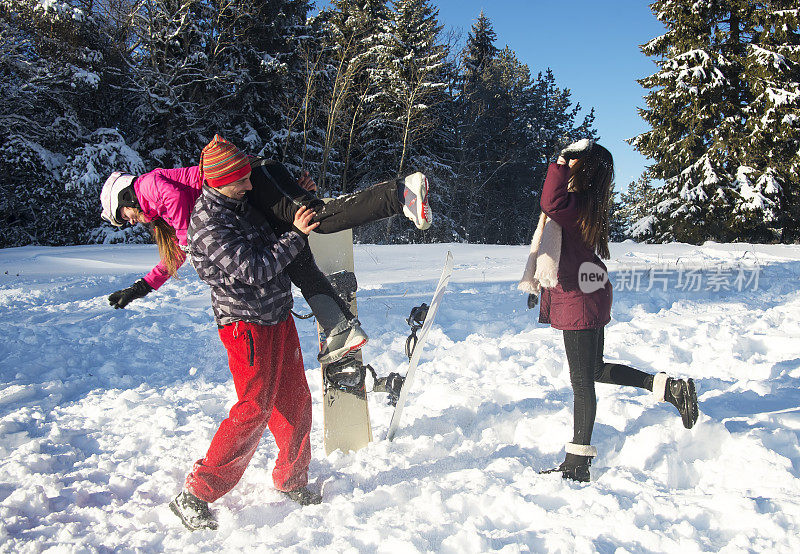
278 196
585 358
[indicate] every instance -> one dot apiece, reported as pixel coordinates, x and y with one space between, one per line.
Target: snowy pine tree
304 112
358 126
410 84
477 148
617 229
509 127
202 67
769 154
551 118
57 92
635 208
694 93
417 78
723 112
480 49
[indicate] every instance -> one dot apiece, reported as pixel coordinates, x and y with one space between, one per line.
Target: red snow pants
272 390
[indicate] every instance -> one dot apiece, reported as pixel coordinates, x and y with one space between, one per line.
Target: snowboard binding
416 320
392 384
346 375
349 375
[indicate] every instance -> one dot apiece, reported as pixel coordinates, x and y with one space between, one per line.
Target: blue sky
592 46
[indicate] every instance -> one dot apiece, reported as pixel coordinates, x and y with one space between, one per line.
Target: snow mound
102 411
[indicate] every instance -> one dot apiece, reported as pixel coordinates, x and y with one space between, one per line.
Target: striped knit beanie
222 163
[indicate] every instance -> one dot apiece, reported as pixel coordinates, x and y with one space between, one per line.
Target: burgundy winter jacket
565 306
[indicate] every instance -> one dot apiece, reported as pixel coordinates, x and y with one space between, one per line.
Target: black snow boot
576 463
194 512
683 396
573 467
303 496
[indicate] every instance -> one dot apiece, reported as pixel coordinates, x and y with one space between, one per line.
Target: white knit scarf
541 271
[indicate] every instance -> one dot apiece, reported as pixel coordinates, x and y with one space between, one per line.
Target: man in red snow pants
271 386
235 251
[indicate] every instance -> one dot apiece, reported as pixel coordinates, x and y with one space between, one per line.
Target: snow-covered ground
103 411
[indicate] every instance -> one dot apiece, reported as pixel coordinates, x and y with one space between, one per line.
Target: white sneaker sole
337 355
417 183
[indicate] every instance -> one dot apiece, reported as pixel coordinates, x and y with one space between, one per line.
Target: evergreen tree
617 229
206 66
305 111
358 126
694 93
551 118
440 153
634 211
478 96
550 124
270 51
724 114
509 127
480 49
769 152
56 93
410 85
417 80
511 183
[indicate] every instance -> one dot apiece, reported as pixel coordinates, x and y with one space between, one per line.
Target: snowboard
420 344
344 408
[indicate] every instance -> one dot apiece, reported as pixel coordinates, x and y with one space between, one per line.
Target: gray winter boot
342 335
304 496
194 512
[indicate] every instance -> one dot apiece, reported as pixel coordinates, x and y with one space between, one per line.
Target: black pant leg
276 207
619 374
276 191
306 275
581 349
365 206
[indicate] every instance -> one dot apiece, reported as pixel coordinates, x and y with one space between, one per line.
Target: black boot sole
686 403
579 474
695 408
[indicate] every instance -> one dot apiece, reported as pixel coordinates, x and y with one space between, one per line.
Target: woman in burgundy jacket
576 197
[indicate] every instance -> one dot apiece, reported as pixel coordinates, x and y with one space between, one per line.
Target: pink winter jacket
169 194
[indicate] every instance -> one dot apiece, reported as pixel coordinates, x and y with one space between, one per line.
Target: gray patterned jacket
235 251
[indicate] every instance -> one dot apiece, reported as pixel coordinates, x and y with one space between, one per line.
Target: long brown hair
592 177
167 240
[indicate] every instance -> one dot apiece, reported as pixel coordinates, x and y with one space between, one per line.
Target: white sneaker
342 341
415 197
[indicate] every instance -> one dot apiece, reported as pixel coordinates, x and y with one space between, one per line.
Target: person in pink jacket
162 196
566 270
165 199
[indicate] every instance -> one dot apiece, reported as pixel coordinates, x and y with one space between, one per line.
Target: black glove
577 149
123 297
533 299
